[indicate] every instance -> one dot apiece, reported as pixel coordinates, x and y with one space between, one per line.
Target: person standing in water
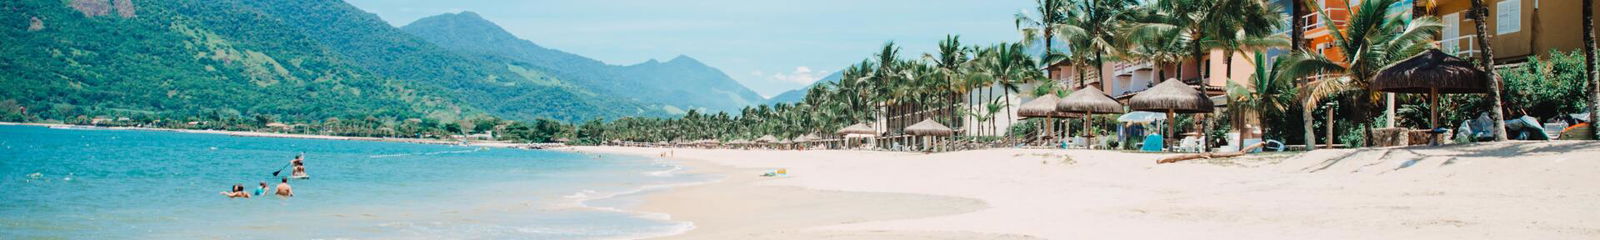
261 189
284 190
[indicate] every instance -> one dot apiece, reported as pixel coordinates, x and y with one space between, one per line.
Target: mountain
678 84
794 96
297 60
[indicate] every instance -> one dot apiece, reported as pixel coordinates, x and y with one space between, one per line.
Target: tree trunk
1498 113
1589 61
1306 118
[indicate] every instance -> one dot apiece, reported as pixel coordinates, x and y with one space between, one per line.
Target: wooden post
1088 132
1330 126
1433 108
1166 141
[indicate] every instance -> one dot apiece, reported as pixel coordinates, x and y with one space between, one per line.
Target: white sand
1523 190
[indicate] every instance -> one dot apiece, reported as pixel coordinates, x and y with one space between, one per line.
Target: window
1508 17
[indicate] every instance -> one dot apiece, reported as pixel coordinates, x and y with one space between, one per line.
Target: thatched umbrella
1173 97
767 139
1089 100
929 128
1432 72
857 129
1044 107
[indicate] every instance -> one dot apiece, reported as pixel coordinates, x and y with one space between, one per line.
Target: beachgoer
261 189
284 190
236 192
299 166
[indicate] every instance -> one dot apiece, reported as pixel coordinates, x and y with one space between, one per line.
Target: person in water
236 192
261 189
284 190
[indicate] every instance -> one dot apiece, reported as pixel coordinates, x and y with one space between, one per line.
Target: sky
770 46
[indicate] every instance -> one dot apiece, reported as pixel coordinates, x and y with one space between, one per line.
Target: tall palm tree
949 61
1498 112
1096 24
1050 13
1370 41
1589 62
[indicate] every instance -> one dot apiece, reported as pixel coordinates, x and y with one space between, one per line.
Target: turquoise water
124 184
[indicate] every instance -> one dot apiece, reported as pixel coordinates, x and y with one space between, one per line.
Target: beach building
1521 28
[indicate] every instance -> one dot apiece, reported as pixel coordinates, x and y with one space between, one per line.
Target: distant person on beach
236 192
284 190
261 189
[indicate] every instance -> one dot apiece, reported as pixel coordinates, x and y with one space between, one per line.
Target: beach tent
1141 117
1432 72
1089 100
1172 97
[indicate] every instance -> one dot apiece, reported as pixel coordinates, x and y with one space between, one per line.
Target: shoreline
494 144
1522 189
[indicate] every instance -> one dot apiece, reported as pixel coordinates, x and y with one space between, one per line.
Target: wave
581 199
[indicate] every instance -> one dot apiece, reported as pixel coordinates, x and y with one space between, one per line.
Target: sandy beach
1516 190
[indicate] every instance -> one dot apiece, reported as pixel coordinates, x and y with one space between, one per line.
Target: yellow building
1519 28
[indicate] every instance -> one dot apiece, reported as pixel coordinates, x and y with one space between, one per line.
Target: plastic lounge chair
1152 143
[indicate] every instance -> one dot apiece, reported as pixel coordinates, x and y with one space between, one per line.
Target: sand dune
1521 190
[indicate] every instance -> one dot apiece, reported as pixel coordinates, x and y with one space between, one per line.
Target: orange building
1519 28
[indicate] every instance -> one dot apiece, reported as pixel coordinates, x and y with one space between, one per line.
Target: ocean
130 184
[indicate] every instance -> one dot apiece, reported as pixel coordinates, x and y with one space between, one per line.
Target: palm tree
1051 13
949 61
1497 113
1589 62
1269 94
1096 25
1370 41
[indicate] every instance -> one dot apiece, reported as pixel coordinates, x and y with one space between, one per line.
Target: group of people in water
282 190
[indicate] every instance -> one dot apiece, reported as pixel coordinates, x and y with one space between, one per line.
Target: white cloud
801 75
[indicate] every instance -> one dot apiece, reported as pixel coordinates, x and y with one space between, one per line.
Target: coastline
1491 190
494 144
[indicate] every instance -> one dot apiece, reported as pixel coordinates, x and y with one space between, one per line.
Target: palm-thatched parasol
1171 96
1089 100
767 139
1044 107
1432 72
928 127
859 128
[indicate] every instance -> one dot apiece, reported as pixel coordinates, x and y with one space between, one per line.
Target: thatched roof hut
929 127
1043 107
740 142
1171 95
767 139
1429 71
1432 72
859 128
1088 99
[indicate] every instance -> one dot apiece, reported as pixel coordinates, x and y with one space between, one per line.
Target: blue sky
770 46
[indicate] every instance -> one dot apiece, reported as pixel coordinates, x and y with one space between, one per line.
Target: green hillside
291 60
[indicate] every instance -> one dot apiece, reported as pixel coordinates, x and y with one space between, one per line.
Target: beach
1520 190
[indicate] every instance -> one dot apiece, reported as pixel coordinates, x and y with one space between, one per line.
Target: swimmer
284 190
236 192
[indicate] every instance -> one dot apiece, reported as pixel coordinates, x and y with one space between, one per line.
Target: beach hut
1172 97
1044 107
1432 72
1089 101
931 130
859 130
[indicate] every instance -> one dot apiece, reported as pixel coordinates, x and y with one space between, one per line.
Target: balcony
1313 25
1461 46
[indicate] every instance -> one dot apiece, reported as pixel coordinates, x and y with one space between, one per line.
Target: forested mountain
682 82
794 96
293 60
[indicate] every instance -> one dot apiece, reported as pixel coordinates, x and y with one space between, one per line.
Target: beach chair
1189 144
1152 143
